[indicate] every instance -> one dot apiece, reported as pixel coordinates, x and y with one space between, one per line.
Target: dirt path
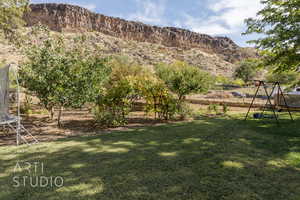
75 123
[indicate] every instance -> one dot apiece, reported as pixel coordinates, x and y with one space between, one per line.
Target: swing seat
262 116
258 116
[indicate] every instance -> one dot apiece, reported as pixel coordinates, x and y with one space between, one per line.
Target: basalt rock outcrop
69 18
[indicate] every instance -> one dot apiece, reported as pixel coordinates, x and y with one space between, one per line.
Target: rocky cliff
69 18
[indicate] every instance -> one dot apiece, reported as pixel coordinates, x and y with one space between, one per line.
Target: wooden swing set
269 105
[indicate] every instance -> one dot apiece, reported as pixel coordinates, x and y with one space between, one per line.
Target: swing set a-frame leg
253 101
286 105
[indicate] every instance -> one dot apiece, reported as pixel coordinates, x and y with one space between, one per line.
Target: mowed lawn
221 158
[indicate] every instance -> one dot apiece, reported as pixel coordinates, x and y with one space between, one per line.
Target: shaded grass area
221 158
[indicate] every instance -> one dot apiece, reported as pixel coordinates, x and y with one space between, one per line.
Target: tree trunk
179 106
51 113
59 116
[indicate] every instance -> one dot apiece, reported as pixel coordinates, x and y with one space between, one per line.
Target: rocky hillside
69 18
147 45
144 53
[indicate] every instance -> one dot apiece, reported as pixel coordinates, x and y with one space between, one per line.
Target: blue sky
213 17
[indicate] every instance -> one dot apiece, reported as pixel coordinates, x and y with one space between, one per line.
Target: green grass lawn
223 158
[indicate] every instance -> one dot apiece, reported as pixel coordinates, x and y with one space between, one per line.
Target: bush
223 80
127 83
185 111
109 116
120 92
158 99
238 82
225 108
213 108
115 102
26 107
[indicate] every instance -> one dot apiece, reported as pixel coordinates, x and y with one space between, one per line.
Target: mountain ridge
71 18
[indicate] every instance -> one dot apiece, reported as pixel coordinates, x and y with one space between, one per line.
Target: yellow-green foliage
119 93
128 82
238 82
222 80
158 98
11 13
183 79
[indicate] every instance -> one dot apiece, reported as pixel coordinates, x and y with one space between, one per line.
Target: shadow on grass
225 158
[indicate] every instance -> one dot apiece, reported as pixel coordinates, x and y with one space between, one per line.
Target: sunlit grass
211 158
232 164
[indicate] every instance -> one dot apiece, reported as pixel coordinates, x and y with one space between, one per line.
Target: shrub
26 107
115 103
213 108
238 82
109 116
127 83
223 80
185 111
158 99
225 108
120 92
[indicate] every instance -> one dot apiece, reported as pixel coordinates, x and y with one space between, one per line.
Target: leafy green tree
278 23
246 70
11 14
286 78
183 79
62 76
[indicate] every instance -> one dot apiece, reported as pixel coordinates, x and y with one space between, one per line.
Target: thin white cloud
227 18
205 26
149 12
90 6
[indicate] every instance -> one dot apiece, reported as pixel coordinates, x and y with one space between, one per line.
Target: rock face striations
69 18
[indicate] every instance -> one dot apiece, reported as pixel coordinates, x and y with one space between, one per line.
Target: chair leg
29 134
21 136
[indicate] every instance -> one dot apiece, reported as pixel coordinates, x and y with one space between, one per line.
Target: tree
246 70
11 14
62 76
286 78
159 100
183 79
278 23
120 91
